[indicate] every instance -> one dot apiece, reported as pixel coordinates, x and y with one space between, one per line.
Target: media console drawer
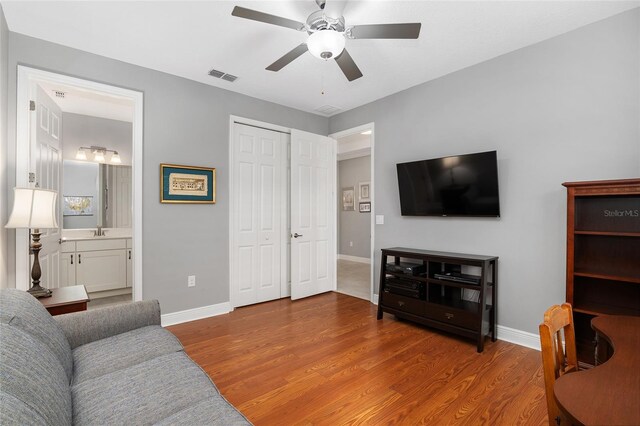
402 303
452 316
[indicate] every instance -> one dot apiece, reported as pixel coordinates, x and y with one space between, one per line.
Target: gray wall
185 122
4 214
82 130
566 109
81 179
354 226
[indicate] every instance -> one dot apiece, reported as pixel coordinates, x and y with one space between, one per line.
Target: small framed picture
365 207
187 184
77 205
348 198
365 189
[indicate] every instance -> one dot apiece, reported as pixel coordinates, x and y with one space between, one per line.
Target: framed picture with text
365 207
187 184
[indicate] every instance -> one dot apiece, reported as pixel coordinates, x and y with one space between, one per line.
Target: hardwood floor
325 360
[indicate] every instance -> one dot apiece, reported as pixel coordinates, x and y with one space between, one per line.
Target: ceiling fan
328 33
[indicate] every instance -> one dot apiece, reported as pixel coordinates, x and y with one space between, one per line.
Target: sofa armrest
84 327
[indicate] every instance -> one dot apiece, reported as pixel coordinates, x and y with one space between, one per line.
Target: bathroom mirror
95 194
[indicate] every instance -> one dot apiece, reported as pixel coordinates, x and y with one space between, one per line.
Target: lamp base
38 292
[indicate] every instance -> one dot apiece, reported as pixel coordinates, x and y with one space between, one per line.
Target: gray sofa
113 366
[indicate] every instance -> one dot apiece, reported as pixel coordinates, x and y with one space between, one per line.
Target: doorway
114 202
355 224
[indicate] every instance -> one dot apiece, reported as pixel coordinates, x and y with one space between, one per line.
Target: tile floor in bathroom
354 279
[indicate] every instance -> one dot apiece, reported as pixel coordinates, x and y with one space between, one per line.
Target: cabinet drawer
453 316
89 245
404 304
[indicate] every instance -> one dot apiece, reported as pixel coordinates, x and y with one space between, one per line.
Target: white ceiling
87 102
190 38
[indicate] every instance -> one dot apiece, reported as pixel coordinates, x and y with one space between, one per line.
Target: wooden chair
556 359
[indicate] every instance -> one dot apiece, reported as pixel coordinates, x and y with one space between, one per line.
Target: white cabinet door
102 269
129 267
68 269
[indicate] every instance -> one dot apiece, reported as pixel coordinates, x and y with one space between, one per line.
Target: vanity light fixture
98 156
81 155
99 153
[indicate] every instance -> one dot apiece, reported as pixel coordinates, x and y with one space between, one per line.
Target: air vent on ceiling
223 75
327 110
59 94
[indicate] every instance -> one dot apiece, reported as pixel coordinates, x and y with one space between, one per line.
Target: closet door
313 246
259 181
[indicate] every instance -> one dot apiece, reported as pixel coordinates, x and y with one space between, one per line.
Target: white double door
282 225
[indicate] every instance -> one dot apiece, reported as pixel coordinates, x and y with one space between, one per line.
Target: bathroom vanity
98 263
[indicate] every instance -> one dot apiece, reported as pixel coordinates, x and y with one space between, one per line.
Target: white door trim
28 75
342 134
233 279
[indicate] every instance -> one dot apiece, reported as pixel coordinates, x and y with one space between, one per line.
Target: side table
65 300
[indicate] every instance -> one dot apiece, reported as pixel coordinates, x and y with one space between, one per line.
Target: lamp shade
326 44
33 208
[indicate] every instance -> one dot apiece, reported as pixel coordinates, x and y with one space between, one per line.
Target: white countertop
88 234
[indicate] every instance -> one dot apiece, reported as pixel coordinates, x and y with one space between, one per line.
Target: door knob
296 235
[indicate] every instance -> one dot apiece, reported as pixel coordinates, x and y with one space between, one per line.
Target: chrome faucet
99 232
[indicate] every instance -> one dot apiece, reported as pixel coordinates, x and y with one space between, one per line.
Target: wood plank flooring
325 360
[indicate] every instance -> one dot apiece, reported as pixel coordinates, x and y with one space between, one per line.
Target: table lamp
35 209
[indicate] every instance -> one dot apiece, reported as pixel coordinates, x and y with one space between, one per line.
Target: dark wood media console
461 299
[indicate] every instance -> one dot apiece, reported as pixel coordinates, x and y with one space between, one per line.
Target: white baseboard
519 337
375 299
195 314
354 258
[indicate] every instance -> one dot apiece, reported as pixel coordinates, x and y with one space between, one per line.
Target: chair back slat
558 358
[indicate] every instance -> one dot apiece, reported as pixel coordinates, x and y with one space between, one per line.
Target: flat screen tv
460 185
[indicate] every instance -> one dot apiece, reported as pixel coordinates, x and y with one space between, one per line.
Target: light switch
379 219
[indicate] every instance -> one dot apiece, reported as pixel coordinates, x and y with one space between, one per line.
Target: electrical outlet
350 243
191 281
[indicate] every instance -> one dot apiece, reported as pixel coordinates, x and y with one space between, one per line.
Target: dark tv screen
460 185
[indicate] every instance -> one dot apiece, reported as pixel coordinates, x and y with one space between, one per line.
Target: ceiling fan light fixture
326 44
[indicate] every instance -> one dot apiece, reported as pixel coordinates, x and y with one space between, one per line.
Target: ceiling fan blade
255 15
348 67
288 58
386 31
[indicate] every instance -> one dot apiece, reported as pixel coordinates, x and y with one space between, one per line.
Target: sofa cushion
144 393
211 411
31 373
15 412
22 310
124 350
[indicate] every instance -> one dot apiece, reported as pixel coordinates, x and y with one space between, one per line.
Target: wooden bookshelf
603 254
